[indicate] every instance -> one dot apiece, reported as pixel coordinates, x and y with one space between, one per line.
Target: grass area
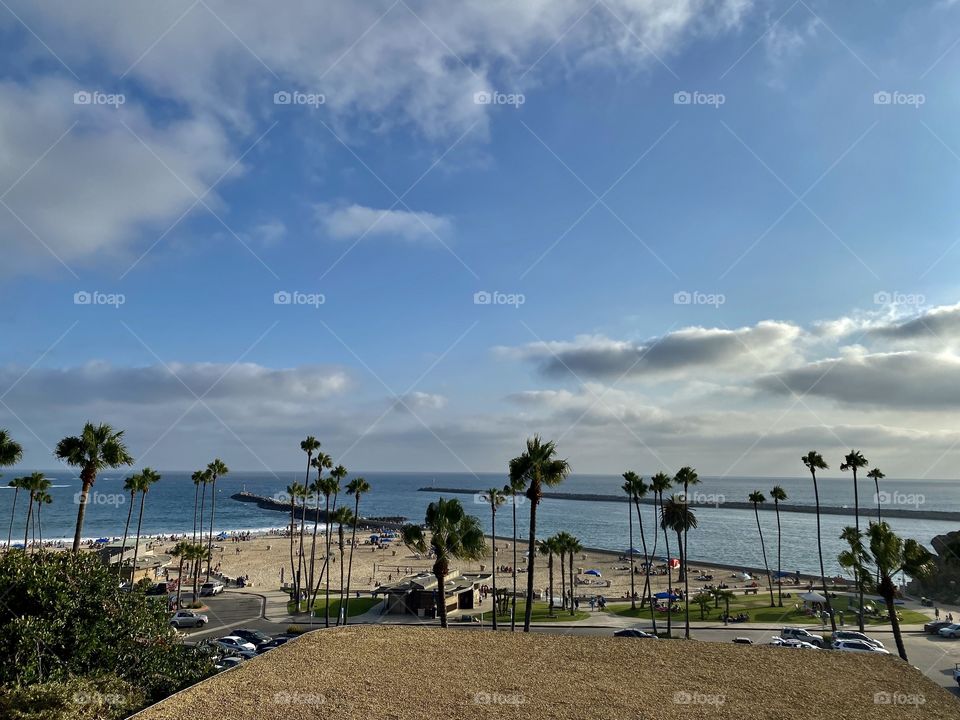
357 606
759 610
541 613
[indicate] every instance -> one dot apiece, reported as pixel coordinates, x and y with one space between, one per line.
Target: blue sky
810 220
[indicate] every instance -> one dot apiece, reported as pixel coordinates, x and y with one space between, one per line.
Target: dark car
252 636
634 633
275 643
933 627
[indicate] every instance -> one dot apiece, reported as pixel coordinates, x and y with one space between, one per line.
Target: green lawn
357 606
759 610
541 613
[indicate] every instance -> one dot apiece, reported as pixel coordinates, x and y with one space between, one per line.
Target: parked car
854 635
793 633
857 646
232 642
188 619
795 644
743 641
951 631
634 633
225 663
933 627
253 636
277 641
211 588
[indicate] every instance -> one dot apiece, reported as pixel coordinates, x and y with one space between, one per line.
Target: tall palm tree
512 489
341 516
320 462
10 454
217 469
303 496
538 466
454 535
148 477
779 495
41 498
330 487
661 482
495 498
573 547
96 448
199 478
757 497
640 491
630 480
814 461
853 461
877 475
686 476
195 554
180 552
130 485
33 483
677 516
293 492
356 487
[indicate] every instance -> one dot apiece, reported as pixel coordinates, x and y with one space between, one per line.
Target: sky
717 233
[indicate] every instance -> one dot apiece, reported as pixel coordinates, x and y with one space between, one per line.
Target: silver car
188 619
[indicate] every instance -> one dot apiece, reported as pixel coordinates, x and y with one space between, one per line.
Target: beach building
150 564
417 594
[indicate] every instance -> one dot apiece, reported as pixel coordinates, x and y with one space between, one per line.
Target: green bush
103 697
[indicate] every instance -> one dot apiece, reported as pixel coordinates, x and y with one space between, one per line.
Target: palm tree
717 595
320 462
779 495
686 476
33 483
356 487
573 547
41 497
640 491
195 554
216 469
454 535
303 495
703 600
547 548
495 498
148 477
659 484
814 461
757 497
538 466
10 454
293 491
677 516
199 478
662 482
180 552
854 461
630 482
330 487
341 516
512 489
130 484
96 448
559 541
877 475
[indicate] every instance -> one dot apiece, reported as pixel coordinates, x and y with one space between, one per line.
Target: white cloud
355 221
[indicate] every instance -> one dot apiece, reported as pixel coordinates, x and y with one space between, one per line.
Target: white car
211 588
238 645
796 644
854 635
950 631
795 633
186 618
857 646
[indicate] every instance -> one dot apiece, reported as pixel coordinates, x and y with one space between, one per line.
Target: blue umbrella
632 551
595 573
102 540
665 595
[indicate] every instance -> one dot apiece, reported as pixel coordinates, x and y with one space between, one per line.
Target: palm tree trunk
136 548
213 511
180 581
493 531
301 554
342 612
126 528
87 478
313 543
326 611
531 553
563 581
440 572
686 599
203 501
550 563
876 482
763 549
26 527
40 525
513 602
573 610
353 544
823 575
647 589
776 506
856 511
887 591
666 542
294 578
633 599
13 510
196 499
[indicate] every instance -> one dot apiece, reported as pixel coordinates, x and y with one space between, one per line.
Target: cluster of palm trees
758 498
201 478
305 577
564 546
37 486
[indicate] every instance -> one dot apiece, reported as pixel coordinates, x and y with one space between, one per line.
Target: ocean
724 535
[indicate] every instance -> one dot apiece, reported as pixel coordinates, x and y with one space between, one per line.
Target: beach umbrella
812 597
674 563
595 573
665 595
102 540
